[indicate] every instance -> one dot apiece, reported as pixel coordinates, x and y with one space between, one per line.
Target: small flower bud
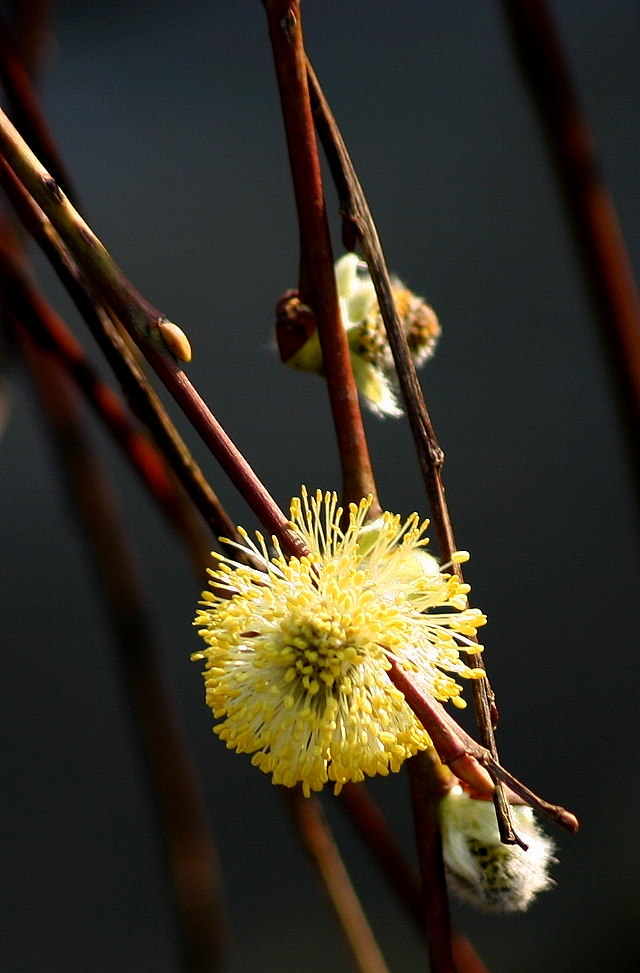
175 339
371 358
480 869
296 334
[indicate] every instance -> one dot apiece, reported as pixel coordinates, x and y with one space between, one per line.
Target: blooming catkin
298 651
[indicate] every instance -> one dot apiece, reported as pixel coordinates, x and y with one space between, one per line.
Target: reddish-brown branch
358 215
48 329
427 789
191 855
373 827
466 758
319 843
465 957
135 385
606 265
30 22
28 116
111 288
317 284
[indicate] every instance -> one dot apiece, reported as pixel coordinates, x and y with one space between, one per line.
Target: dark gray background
168 117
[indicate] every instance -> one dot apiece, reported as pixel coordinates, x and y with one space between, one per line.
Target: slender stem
465 957
30 20
191 857
49 330
319 842
430 456
317 284
136 386
144 324
374 829
468 759
605 262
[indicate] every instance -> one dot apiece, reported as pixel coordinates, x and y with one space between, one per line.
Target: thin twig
191 856
317 284
465 957
317 838
374 830
605 262
146 325
466 758
430 456
373 827
48 329
30 22
135 385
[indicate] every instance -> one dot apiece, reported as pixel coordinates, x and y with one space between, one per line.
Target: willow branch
28 116
318 841
605 262
317 284
467 759
49 330
191 857
430 456
426 794
147 326
146 460
373 828
30 22
139 393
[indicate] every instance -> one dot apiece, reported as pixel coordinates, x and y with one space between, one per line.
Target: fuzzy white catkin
480 869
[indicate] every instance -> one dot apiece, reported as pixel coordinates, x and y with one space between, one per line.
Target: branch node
53 189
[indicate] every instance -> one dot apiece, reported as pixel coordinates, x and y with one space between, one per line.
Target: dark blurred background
167 115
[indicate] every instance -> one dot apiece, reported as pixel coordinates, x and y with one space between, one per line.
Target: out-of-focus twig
465 957
374 830
190 851
30 24
25 107
317 284
317 839
607 269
